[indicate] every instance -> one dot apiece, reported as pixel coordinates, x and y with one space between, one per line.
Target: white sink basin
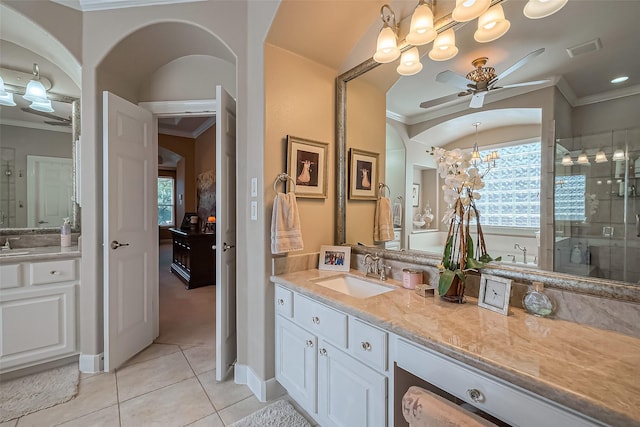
13 252
354 286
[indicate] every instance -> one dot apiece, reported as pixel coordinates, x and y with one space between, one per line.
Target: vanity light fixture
421 30
583 159
410 62
6 98
387 45
618 155
444 46
601 157
466 10
45 107
35 91
566 160
536 9
491 25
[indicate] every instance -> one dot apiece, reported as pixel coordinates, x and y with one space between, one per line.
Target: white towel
286 235
397 214
383 223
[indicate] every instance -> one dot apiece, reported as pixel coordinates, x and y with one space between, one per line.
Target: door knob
115 244
225 246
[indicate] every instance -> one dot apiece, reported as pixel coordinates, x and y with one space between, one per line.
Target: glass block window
569 199
511 197
166 201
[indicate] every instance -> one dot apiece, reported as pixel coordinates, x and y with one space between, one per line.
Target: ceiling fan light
444 46
466 10
421 30
601 157
583 159
536 9
45 106
566 160
410 62
491 25
387 46
35 92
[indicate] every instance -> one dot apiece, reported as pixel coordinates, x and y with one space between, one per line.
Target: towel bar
283 177
381 188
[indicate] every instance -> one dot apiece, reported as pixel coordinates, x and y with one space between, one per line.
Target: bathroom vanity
38 306
346 359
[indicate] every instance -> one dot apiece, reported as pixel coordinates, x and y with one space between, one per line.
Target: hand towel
383 223
286 235
397 214
422 408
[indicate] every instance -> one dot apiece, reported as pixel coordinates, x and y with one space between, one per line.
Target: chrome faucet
524 252
6 245
375 267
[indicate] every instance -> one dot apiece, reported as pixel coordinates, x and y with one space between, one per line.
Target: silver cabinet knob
54 273
323 352
475 395
366 346
280 301
315 320
309 343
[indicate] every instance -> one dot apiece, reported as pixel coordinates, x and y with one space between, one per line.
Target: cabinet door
350 394
297 362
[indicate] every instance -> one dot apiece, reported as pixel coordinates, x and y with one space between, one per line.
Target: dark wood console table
194 259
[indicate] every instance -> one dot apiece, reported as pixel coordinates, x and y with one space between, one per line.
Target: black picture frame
186 220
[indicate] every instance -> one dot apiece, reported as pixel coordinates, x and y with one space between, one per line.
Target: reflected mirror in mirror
37 148
578 100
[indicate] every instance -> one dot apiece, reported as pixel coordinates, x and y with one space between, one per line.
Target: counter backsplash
603 313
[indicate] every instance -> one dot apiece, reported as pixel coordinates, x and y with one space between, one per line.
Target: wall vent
586 47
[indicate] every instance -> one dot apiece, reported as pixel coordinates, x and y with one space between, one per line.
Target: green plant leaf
446 279
461 275
473 263
498 259
446 259
469 247
485 258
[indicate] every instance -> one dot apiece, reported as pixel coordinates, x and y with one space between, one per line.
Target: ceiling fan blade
537 82
58 123
438 101
46 115
453 79
517 65
477 100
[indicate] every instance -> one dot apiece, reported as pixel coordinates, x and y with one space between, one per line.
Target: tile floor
171 383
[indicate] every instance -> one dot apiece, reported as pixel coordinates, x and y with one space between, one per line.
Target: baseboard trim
263 390
91 363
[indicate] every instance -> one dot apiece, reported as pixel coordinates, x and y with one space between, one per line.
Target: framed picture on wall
363 175
415 195
307 166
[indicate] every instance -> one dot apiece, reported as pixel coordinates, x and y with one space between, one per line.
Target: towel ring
381 188
283 177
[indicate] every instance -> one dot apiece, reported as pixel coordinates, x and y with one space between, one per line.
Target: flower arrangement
462 182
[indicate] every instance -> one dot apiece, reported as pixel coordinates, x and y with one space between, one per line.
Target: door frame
158 109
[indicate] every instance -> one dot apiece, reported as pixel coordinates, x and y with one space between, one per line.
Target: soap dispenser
538 303
65 233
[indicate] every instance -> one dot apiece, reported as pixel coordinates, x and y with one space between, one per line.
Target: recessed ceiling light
620 79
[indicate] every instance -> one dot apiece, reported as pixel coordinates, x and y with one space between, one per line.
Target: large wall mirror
39 147
590 208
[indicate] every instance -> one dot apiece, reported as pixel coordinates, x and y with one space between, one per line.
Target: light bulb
466 10
35 92
536 9
45 106
566 160
601 157
491 25
410 62
387 46
444 46
618 155
421 31
583 159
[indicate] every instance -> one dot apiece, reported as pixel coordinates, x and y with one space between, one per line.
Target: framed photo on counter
336 258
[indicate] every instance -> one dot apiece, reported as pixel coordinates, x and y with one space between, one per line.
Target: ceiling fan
59 121
480 81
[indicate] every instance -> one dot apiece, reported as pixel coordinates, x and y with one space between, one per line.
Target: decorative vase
455 293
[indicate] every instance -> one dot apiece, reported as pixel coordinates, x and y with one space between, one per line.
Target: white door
48 190
130 230
225 234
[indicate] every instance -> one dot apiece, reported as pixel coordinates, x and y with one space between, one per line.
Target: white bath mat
31 393
278 414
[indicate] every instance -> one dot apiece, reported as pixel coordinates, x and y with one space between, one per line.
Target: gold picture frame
363 175
307 166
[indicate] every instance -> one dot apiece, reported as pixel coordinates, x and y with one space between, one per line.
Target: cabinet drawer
368 344
284 301
10 276
321 320
507 402
53 271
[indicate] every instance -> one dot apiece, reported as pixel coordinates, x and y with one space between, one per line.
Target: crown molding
607 96
93 5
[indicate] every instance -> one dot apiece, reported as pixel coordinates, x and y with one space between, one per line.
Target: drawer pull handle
280 301
54 273
366 346
475 395
323 352
315 320
309 343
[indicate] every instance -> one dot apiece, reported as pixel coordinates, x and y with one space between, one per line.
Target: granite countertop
590 370
42 253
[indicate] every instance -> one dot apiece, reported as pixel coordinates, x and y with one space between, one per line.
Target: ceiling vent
586 47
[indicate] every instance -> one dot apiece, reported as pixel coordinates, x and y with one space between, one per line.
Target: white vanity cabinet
38 312
332 364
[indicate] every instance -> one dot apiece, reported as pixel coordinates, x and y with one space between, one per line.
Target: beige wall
299 96
185 181
205 151
365 133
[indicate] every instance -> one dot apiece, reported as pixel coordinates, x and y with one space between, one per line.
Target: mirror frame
611 289
75 151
